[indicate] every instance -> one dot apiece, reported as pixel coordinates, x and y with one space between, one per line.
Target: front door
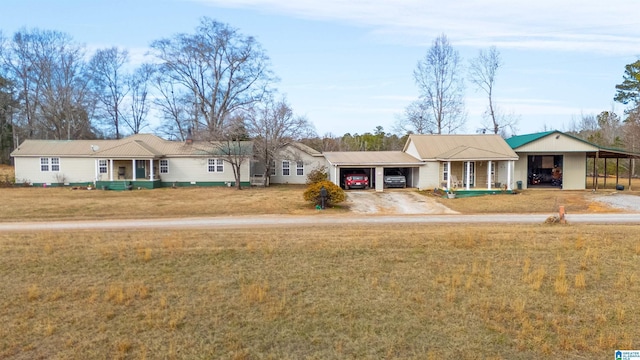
472 175
140 169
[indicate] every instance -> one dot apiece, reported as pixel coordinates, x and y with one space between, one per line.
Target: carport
374 164
604 154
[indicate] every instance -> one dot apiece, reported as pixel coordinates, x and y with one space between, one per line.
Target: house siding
189 170
72 171
310 163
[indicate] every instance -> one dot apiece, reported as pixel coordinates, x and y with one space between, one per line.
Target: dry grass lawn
409 292
371 292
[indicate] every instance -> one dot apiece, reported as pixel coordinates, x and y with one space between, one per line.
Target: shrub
317 175
336 194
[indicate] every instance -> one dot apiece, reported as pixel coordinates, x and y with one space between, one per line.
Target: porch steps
118 185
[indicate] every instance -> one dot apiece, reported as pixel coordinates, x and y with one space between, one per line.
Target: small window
285 168
272 168
445 171
299 168
164 166
102 166
55 164
44 164
215 165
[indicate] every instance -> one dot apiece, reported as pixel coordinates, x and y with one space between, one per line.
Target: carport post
379 178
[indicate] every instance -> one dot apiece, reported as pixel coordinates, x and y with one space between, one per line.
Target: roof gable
550 141
460 147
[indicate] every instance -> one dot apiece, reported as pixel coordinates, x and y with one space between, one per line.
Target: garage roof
371 158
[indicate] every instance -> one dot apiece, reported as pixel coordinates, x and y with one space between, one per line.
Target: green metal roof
520 140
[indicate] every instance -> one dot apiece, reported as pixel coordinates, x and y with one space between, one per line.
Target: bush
336 194
317 175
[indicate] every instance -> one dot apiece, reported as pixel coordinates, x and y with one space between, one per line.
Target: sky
347 65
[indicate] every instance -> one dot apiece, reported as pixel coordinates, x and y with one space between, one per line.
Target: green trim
471 193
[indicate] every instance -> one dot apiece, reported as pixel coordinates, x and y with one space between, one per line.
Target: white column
509 169
151 168
110 169
448 174
489 174
95 169
134 169
468 175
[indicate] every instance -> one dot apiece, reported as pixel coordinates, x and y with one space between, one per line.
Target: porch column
134 169
151 168
509 170
468 175
489 175
110 169
95 170
448 174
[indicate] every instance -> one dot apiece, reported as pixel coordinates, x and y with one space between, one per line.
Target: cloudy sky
347 64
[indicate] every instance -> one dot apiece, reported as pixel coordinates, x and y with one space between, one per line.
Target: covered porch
477 175
127 174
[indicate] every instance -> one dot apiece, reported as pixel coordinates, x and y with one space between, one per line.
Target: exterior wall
429 175
194 170
72 171
520 170
309 162
411 150
574 172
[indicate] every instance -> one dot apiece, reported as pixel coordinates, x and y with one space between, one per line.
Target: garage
545 171
375 165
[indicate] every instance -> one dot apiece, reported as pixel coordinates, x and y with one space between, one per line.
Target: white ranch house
469 162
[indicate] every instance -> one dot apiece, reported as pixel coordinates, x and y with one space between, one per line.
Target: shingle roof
461 147
135 146
370 158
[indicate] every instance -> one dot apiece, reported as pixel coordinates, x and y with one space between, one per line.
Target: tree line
216 84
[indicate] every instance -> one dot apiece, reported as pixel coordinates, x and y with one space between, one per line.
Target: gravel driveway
620 201
394 202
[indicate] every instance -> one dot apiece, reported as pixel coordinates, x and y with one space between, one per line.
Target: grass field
376 291
434 292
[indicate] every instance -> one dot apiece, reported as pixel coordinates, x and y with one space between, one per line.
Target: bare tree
138 85
273 125
416 120
173 106
233 145
482 72
439 79
49 73
223 70
107 73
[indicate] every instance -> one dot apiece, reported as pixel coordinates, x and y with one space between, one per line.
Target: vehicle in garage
394 178
356 180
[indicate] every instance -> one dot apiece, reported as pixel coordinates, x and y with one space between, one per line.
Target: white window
49 164
299 168
445 171
55 164
164 166
285 168
44 164
272 168
102 166
215 165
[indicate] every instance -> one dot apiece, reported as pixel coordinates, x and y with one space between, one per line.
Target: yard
350 291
